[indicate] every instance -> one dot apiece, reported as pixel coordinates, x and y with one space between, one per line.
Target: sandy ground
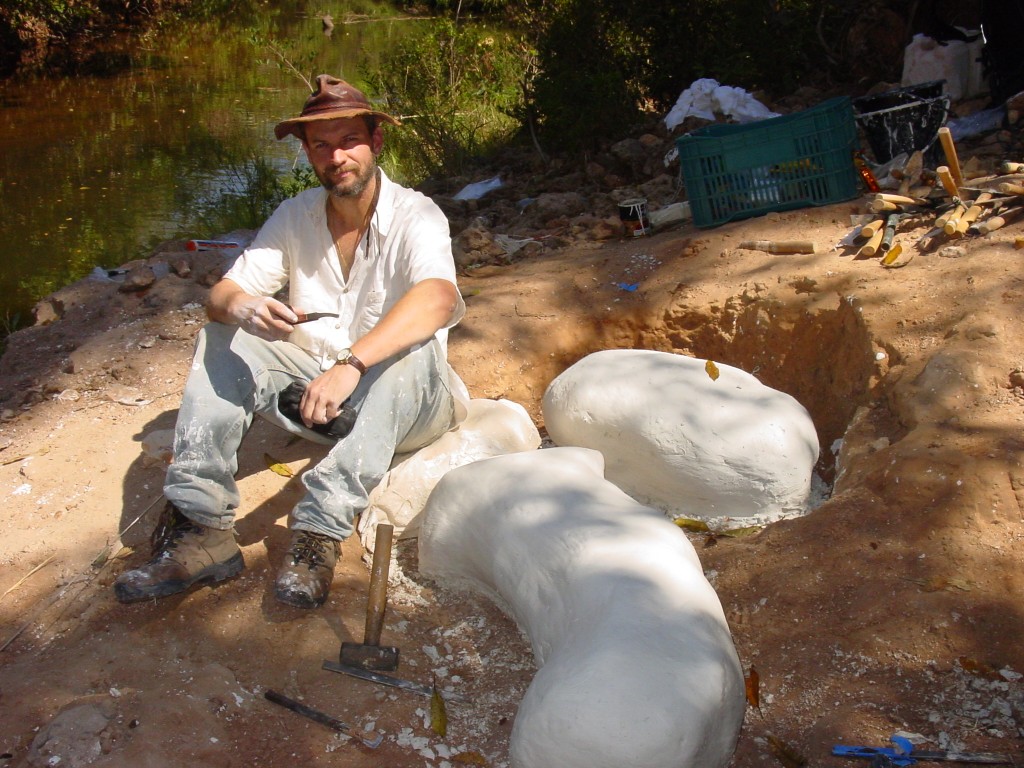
893 606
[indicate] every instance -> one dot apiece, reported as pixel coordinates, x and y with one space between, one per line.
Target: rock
158 445
74 738
629 151
561 204
477 245
181 266
138 279
595 171
660 189
605 229
48 310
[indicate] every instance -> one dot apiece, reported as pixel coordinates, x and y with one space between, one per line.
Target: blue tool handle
894 757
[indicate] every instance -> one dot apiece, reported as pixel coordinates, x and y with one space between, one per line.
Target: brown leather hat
333 98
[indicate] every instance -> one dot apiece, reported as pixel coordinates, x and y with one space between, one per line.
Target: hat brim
291 127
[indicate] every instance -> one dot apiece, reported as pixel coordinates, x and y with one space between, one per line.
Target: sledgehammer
370 654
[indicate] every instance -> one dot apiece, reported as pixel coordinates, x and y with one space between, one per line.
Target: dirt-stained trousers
403 404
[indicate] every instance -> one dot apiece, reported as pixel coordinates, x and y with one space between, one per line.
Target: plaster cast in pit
637 664
724 449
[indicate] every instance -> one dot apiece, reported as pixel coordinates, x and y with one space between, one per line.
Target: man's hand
261 316
326 393
265 317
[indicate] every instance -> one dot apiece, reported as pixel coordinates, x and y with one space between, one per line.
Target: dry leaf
741 533
470 758
694 526
712 370
438 713
979 668
785 754
277 467
940 583
752 683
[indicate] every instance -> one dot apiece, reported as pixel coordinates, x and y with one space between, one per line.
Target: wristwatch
345 357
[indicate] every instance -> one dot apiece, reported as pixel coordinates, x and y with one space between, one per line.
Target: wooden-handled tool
778 246
869 229
992 223
948 183
370 654
970 215
870 248
949 149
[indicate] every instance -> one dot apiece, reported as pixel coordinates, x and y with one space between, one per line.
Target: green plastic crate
736 171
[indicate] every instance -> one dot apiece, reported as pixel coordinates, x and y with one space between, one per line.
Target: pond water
97 168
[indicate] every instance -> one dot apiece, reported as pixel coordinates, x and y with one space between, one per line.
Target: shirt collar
385 212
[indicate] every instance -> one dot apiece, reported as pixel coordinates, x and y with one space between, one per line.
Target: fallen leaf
741 533
694 526
979 668
940 583
712 370
752 683
785 754
277 467
470 758
438 713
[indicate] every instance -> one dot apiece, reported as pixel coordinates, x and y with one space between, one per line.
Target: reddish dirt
893 606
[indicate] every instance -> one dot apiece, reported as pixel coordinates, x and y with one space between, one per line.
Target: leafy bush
602 62
455 90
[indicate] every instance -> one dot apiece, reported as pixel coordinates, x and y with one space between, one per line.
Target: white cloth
407 242
705 98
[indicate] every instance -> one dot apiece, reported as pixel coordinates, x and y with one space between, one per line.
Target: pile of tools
955 203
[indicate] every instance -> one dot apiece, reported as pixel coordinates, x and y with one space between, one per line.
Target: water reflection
95 169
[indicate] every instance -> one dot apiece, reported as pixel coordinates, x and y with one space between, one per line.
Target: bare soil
893 606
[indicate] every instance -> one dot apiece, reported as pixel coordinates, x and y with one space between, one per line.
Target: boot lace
170 529
310 549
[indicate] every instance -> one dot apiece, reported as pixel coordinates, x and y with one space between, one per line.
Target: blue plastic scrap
882 757
903 754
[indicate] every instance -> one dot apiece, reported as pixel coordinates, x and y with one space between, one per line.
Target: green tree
456 89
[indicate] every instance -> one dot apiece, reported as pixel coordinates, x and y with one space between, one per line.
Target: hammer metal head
379 657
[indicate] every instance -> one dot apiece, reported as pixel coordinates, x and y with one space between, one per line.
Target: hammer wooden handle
378 597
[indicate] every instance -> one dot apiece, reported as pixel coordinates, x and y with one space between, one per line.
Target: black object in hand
338 427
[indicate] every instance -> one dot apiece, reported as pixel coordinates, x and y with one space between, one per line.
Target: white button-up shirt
406 242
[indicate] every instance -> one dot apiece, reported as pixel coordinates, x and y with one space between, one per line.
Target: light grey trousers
403 404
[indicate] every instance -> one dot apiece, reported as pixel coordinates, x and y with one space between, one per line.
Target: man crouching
357 358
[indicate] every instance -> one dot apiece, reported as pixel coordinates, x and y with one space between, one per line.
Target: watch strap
355 362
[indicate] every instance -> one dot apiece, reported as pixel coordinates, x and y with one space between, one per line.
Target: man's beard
352 187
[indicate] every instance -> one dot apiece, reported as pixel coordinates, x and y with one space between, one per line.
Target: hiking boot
184 553
305 578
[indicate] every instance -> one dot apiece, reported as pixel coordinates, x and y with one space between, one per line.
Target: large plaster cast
637 665
491 428
726 449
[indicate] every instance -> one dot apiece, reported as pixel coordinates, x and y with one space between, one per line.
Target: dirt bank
892 606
